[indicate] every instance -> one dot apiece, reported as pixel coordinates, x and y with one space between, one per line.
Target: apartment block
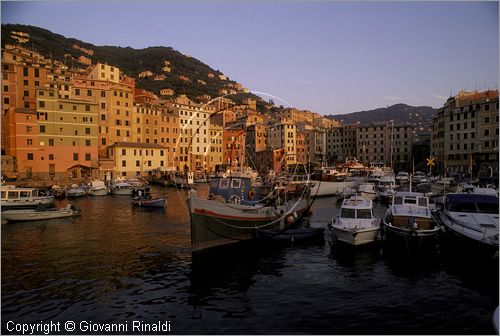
465 134
67 134
133 159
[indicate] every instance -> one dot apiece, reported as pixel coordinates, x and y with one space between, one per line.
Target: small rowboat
150 202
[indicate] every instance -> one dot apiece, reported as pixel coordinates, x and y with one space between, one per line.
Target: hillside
418 116
185 74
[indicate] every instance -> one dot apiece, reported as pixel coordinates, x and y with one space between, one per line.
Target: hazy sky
326 56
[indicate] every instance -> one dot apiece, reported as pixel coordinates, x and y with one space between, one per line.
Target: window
30 156
486 119
87 107
224 183
124 163
26 93
103 94
25 71
6 100
137 163
25 82
103 117
37 72
87 157
77 92
41 104
51 142
89 93
486 132
29 141
51 157
487 107
236 183
6 88
75 156
87 130
124 151
103 106
87 143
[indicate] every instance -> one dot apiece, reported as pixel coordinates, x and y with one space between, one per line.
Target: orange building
22 72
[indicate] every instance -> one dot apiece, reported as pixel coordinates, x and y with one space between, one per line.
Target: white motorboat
98 188
368 191
409 217
419 177
13 197
356 224
76 191
443 185
387 188
327 188
402 178
38 214
122 188
472 216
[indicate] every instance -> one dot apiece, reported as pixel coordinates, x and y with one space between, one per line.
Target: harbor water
116 263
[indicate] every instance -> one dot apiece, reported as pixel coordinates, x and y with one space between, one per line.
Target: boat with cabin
76 190
473 217
41 213
356 224
13 197
409 219
121 187
98 188
368 191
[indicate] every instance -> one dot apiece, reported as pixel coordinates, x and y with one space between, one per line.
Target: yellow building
214 151
106 72
67 134
283 135
136 159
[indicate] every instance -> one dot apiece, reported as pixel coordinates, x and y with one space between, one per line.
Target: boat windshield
364 213
348 213
473 207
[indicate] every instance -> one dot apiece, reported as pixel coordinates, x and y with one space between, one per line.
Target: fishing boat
98 188
12 197
473 217
236 207
41 213
368 191
356 224
147 202
409 219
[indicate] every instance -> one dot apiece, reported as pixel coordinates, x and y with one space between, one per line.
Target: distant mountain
187 75
418 116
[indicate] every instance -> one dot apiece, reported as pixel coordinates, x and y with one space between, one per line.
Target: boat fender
290 219
295 214
251 194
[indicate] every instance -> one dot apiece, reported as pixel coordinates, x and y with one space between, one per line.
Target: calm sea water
115 263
